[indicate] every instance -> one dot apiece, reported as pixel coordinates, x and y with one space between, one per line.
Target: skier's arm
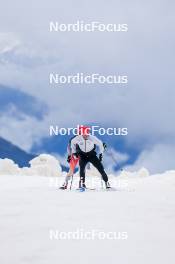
99 143
73 145
69 149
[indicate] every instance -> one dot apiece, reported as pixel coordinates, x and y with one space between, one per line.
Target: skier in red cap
84 146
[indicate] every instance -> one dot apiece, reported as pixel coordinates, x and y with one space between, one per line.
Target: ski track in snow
30 207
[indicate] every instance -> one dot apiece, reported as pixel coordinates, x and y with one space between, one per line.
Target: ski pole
71 181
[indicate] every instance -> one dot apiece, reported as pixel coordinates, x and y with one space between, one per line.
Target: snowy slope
33 207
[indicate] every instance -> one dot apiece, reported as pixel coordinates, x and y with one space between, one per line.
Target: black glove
68 158
76 155
104 145
100 157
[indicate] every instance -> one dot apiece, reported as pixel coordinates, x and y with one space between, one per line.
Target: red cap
84 130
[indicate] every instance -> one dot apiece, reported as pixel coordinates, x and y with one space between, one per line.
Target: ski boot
109 188
107 185
64 187
82 185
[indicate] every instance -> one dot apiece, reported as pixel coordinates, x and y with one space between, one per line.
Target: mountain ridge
11 151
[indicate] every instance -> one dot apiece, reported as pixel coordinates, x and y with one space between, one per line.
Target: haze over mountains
19 156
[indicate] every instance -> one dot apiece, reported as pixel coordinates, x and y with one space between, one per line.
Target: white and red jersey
86 145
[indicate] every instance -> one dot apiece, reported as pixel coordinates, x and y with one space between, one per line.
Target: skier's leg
98 165
69 174
82 163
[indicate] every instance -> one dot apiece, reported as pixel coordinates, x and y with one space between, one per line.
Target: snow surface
31 207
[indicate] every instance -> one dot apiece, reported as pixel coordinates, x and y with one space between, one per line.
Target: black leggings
97 164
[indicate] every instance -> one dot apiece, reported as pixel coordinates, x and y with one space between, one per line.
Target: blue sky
28 53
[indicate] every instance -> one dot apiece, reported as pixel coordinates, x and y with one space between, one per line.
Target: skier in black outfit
84 146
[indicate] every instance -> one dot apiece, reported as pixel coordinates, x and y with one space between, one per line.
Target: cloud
21 117
23 131
144 53
14 102
156 159
8 42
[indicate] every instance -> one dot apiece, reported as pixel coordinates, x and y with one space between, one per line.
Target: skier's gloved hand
101 157
104 145
76 155
77 149
68 158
